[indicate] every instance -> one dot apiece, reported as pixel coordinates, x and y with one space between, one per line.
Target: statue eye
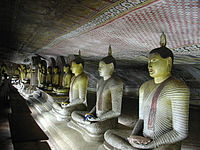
154 60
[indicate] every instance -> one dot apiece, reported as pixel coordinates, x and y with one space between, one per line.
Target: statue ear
80 65
169 62
111 65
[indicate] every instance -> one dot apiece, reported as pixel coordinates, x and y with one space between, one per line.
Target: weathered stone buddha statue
49 79
55 77
105 113
77 92
39 73
163 109
43 76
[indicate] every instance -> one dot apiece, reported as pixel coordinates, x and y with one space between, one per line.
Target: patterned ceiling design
135 29
132 27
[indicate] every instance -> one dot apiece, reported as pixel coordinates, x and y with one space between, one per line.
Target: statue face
55 70
105 69
158 66
49 70
66 69
76 67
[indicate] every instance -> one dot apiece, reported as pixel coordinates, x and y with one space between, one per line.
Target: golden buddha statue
28 75
65 81
55 77
77 92
42 74
105 113
23 72
163 109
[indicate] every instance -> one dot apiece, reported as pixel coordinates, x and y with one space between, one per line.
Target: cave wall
135 73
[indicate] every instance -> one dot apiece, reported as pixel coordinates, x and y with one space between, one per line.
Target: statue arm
82 89
93 110
116 97
180 115
69 80
139 124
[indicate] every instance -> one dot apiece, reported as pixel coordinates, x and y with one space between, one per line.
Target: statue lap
65 113
117 139
96 127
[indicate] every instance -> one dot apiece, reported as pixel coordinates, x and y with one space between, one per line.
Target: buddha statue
104 114
28 75
22 70
55 77
42 74
35 60
77 93
49 79
23 82
65 81
163 109
39 73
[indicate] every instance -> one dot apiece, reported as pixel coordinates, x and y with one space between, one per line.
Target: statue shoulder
115 80
147 84
83 77
176 83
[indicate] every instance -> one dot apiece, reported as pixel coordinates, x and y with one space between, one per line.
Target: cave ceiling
132 27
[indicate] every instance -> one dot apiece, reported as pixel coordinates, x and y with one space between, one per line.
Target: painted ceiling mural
133 28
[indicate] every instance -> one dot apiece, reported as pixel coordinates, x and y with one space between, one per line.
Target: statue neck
158 80
78 72
107 77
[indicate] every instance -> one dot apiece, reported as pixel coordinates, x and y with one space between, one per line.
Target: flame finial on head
109 51
163 40
79 52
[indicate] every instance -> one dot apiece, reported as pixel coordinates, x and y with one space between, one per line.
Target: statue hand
92 119
64 104
138 140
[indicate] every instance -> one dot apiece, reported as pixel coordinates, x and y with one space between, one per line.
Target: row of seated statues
48 78
163 104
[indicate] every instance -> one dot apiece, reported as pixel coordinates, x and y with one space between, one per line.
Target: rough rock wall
134 74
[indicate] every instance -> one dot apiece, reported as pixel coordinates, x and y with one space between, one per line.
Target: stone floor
5 137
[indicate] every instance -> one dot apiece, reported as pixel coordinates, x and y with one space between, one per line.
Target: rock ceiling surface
132 27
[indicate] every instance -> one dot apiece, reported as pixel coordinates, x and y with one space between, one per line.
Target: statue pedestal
60 135
87 136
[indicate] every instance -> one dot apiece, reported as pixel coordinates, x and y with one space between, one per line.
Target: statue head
49 69
28 69
44 68
160 61
77 64
66 68
107 64
55 69
23 67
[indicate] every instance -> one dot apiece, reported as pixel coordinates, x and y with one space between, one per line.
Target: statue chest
74 87
104 100
162 113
